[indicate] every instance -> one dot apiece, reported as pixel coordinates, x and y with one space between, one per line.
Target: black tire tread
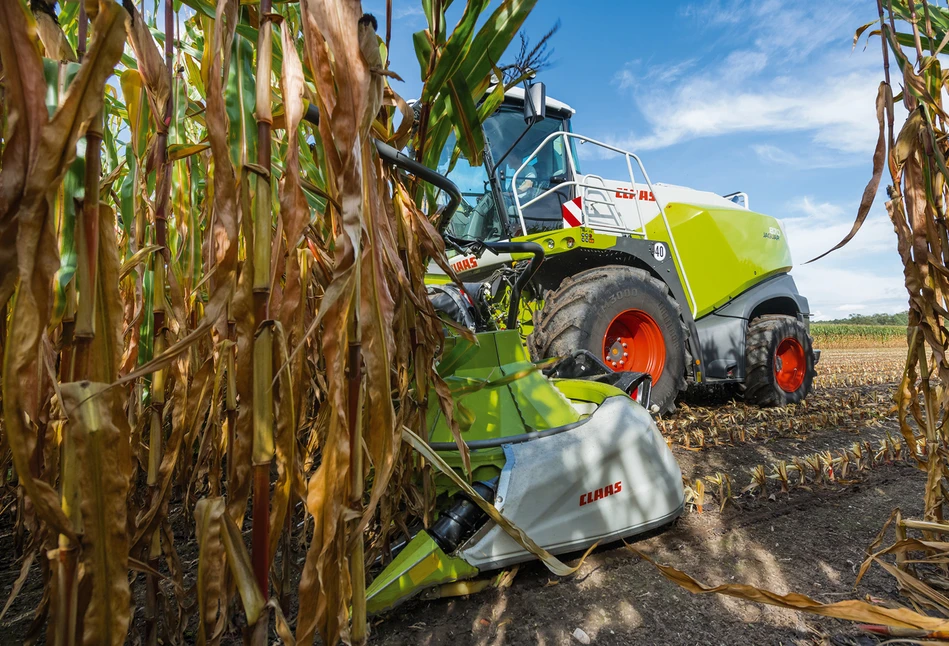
556 326
759 386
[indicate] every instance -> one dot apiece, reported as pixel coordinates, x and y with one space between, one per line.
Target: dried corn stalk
206 300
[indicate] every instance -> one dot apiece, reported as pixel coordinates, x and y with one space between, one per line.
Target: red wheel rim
790 364
633 343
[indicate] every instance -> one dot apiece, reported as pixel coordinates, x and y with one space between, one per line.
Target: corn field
839 336
213 320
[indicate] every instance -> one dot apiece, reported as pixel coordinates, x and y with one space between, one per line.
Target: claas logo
465 264
602 492
633 194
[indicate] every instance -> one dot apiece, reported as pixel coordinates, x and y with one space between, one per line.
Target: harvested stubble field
791 498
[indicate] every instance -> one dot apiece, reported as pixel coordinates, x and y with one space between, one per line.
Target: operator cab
510 142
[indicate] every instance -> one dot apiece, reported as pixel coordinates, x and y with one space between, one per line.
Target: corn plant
213 309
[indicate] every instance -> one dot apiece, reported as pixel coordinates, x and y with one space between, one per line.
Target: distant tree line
901 318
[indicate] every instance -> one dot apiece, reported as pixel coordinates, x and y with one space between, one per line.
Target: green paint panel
541 405
581 390
503 411
724 251
564 240
437 279
422 564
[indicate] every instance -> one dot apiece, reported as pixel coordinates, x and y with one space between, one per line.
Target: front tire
779 361
624 316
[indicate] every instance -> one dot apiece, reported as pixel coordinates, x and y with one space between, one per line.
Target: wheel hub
617 354
634 343
790 365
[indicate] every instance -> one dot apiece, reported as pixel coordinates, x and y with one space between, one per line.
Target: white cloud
813 228
401 9
625 78
740 64
631 76
796 26
838 112
777 156
714 13
862 276
406 10
865 290
794 73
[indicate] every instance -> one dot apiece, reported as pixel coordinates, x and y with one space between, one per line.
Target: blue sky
765 97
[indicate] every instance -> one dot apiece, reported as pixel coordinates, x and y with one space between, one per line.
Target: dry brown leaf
99 434
850 610
37 255
884 99
212 599
53 39
151 65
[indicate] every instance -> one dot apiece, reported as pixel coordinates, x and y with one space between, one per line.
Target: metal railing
618 226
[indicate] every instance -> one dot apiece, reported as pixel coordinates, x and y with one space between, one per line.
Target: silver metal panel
562 490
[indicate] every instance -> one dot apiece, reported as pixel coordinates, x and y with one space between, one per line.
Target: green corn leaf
240 99
453 55
126 192
465 120
492 40
493 100
73 189
183 151
438 132
423 51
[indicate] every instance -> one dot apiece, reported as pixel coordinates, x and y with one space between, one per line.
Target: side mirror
535 102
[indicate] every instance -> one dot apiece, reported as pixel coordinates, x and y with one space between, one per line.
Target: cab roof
516 95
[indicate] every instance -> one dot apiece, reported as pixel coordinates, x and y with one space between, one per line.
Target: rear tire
779 361
599 309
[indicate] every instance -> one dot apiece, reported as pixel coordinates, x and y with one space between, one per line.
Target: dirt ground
810 540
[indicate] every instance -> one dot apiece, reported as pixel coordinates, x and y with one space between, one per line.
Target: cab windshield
477 218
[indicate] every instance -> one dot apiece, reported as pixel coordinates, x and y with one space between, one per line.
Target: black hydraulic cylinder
462 519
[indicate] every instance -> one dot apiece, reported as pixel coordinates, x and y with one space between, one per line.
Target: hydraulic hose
518 247
424 173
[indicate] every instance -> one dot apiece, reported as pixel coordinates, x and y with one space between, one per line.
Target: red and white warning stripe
572 213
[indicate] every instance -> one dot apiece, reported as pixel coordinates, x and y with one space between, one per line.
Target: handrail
629 155
641 231
740 194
